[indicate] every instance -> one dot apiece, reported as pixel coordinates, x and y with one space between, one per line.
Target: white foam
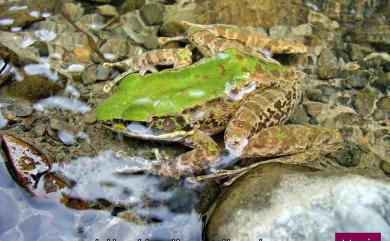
35 13
41 69
63 103
25 42
6 21
76 68
45 35
66 138
17 8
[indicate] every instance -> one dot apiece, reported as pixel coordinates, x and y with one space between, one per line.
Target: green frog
236 89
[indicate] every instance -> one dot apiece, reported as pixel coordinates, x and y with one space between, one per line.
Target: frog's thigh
258 112
286 140
206 150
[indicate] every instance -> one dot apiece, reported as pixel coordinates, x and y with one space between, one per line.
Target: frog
236 90
208 40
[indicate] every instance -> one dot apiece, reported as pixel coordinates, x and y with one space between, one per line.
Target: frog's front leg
205 151
148 61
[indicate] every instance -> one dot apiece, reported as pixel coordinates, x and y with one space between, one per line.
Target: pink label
358 237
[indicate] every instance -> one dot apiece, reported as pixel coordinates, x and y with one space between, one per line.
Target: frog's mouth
141 131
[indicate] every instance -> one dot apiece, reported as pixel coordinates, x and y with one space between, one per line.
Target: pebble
383 83
107 10
326 72
364 101
349 156
39 130
90 118
302 30
152 13
384 104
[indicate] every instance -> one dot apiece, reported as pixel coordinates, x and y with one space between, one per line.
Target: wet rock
8 58
152 13
326 72
350 155
95 73
33 87
116 48
9 212
90 118
302 30
377 35
265 13
364 101
327 58
355 79
384 104
281 202
131 5
357 52
385 165
348 118
376 60
172 26
151 41
107 10
383 83
18 108
314 94
3 121
39 130
299 116
18 19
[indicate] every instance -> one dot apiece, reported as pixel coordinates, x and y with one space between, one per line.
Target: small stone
357 52
327 59
348 118
349 155
89 74
131 5
39 130
151 41
82 54
302 30
107 10
355 79
90 118
172 23
314 94
299 116
385 165
376 60
381 133
102 73
326 73
383 83
384 104
152 13
364 101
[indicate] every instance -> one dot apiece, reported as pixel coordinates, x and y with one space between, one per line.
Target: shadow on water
132 206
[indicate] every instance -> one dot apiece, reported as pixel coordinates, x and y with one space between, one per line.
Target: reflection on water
138 206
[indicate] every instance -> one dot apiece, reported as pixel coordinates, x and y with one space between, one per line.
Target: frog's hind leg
286 140
205 151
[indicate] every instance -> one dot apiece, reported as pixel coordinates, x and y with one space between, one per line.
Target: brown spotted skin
229 36
290 140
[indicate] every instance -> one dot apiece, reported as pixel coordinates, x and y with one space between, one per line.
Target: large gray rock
286 202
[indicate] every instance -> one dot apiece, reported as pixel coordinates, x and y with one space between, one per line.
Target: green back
171 91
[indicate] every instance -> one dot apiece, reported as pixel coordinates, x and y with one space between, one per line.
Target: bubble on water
109 56
267 53
16 29
35 13
223 55
3 121
230 91
63 103
41 69
45 35
46 14
76 68
25 42
6 21
17 8
66 138
71 90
